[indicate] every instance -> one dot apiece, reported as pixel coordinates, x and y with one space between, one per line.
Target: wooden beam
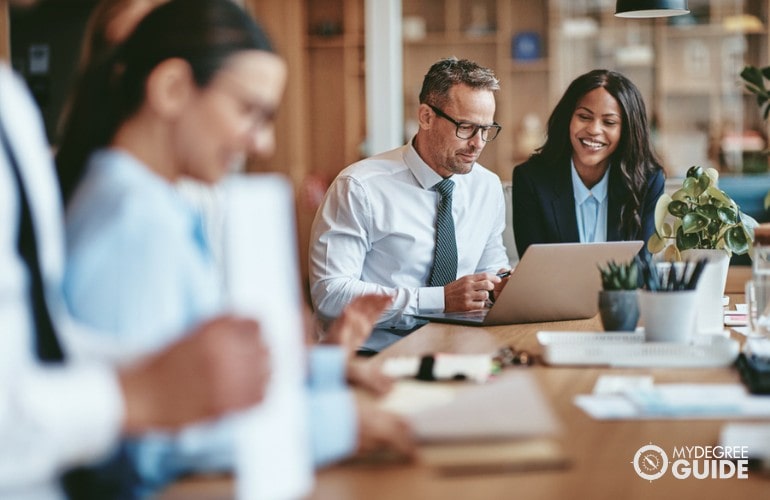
5 32
284 21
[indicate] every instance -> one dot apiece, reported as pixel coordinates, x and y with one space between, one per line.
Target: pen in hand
501 275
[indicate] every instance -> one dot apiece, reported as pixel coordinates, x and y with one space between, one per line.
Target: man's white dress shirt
375 233
51 418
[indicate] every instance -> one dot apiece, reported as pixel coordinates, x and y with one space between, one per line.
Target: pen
501 275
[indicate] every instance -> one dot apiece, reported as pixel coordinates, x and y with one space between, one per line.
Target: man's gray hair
451 71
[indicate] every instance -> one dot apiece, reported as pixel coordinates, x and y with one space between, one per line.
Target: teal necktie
445 254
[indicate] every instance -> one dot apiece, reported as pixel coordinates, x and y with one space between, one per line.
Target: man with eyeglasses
422 222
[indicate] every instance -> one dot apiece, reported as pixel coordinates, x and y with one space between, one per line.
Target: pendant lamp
650 8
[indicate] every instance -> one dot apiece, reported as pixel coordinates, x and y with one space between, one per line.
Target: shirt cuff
333 426
430 299
81 408
327 367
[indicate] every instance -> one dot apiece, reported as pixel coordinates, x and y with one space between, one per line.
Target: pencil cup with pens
667 303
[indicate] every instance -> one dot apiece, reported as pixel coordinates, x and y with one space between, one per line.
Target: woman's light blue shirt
591 207
139 266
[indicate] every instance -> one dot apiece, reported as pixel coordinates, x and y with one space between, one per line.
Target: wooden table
600 452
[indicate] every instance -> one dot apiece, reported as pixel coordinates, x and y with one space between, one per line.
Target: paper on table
618 384
273 447
510 406
674 401
755 436
411 396
737 317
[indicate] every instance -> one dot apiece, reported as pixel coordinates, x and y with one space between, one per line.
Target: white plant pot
711 289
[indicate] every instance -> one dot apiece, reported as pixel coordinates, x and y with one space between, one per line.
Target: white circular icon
650 462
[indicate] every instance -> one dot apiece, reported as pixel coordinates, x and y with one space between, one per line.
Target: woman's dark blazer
544 205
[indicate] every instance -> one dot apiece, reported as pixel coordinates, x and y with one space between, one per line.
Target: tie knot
445 187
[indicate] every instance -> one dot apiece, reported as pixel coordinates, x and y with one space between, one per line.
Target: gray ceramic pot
619 310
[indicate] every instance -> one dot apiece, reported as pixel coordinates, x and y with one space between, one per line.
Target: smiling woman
596 177
156 95
191 90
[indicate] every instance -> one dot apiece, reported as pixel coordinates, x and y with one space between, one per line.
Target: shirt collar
582 193
155 188
426 176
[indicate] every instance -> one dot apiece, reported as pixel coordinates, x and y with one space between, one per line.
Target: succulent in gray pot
618 305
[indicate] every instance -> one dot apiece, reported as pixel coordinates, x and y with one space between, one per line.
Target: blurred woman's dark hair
205 33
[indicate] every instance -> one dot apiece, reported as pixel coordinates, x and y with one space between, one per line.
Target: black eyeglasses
467 130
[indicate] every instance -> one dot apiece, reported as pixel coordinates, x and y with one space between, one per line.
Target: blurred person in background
161 106
60 406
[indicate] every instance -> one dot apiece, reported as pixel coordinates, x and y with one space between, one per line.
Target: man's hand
356 322
380 430
503 274
221 366
470 292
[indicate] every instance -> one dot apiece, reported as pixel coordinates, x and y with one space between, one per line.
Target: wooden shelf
705 30
326 42
447 22
534 66
333 78
451 39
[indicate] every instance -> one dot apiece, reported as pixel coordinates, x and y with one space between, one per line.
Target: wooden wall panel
5 32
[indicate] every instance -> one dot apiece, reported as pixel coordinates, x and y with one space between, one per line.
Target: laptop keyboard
479 314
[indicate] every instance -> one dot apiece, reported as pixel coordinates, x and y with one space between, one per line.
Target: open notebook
552 282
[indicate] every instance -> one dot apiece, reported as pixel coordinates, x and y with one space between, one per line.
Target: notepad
505 425
509 407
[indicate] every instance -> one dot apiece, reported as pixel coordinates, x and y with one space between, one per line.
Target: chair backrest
508 241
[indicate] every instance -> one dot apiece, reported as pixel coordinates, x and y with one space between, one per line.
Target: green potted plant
754 79
618 306
699 215
698 221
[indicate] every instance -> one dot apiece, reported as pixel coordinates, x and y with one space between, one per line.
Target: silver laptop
552 282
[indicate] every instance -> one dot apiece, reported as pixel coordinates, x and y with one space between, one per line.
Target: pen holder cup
668 316
709 316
